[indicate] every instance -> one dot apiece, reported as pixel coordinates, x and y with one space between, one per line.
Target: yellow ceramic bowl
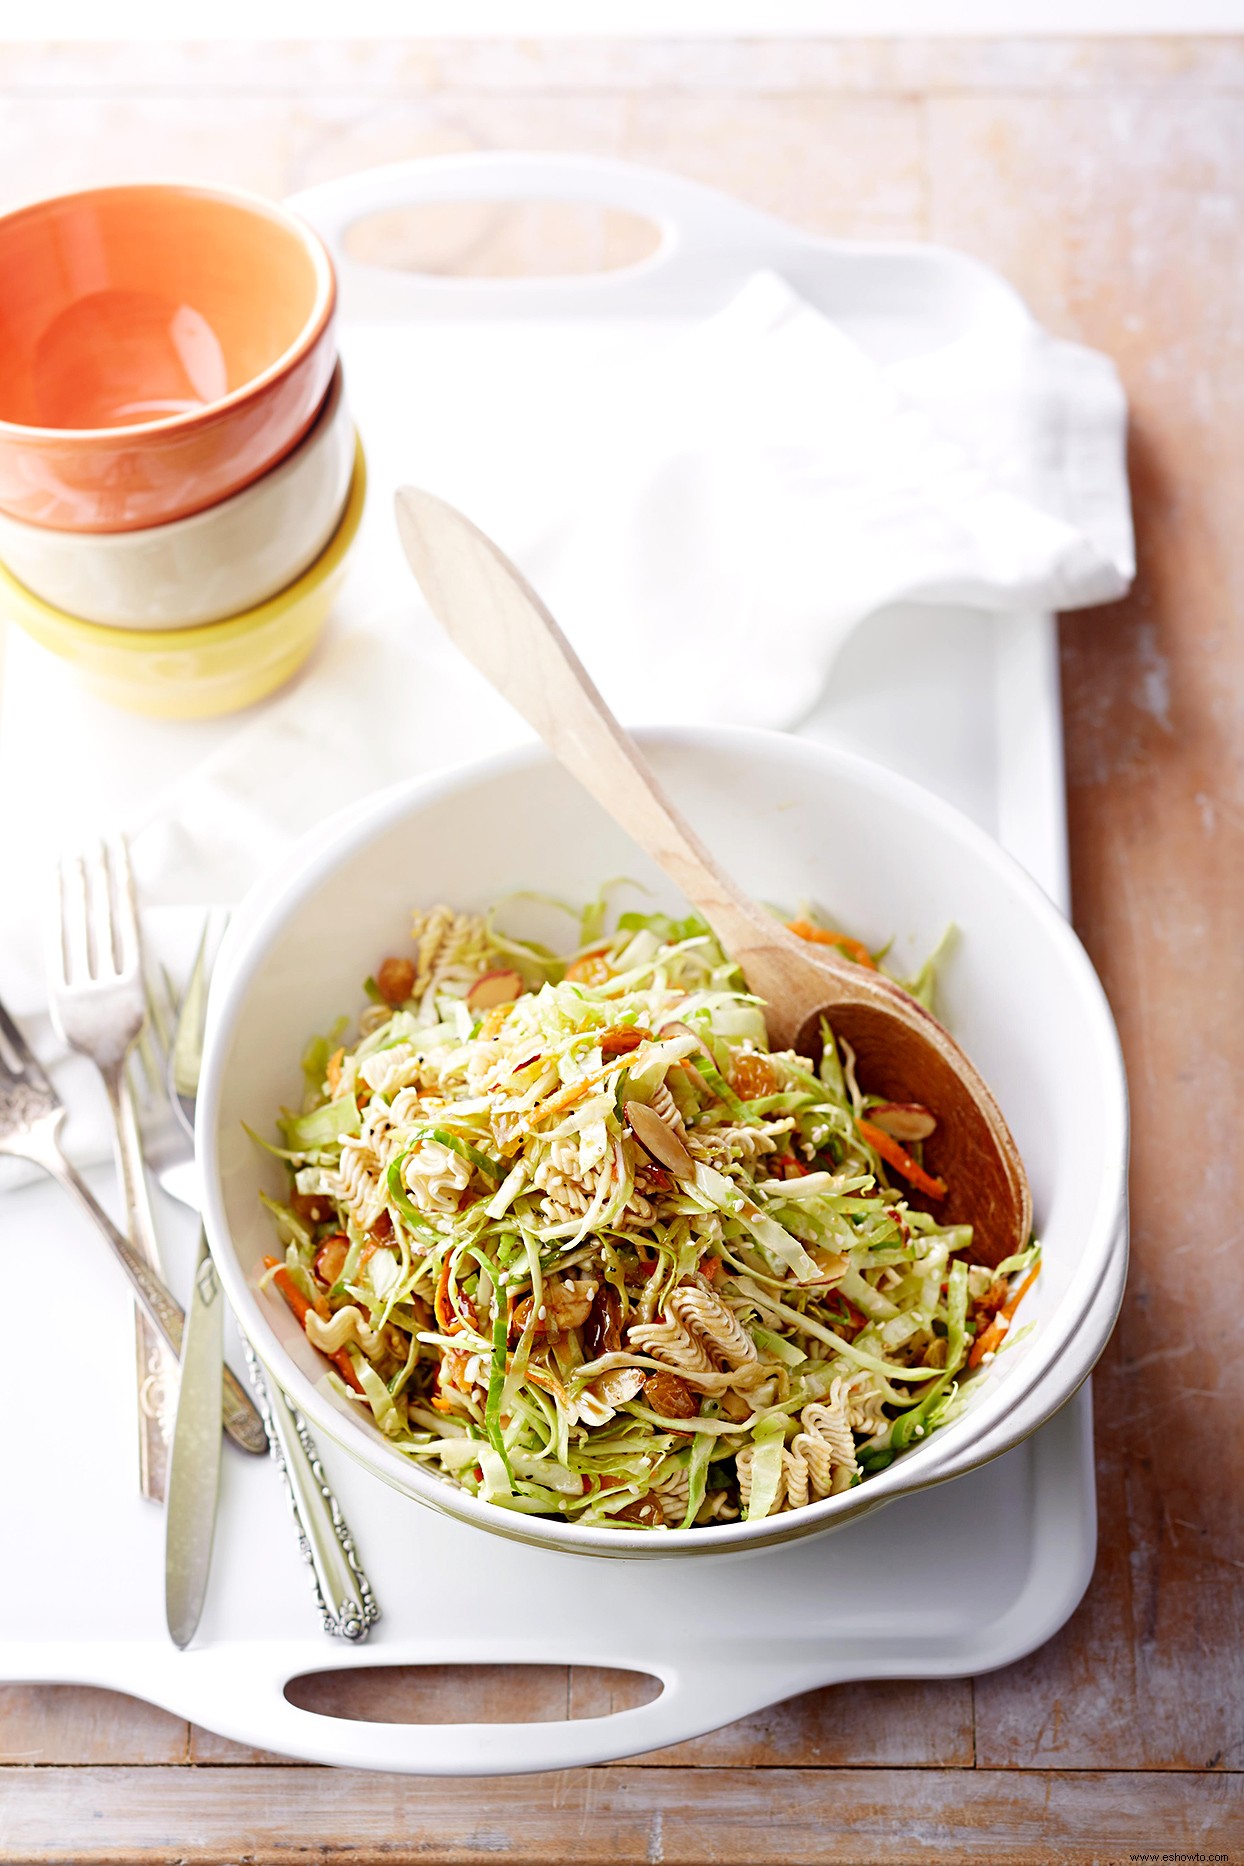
193 673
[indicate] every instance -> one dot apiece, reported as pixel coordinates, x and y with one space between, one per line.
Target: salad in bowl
581 1244
518 1205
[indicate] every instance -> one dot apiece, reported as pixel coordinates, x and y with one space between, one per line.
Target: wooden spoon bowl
902 1053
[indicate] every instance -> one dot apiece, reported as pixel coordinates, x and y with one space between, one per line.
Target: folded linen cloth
709 522
708 525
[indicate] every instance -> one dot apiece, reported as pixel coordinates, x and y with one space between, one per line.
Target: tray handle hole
447 1694
502 239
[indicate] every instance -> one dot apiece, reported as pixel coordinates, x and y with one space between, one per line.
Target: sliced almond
618 1385
658 1140
903 1120
495 988
831 1264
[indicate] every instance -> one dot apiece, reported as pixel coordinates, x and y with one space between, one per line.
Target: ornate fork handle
39 1144
152 1360
342 1591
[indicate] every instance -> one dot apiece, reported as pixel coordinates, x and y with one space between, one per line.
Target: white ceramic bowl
214 564
794 821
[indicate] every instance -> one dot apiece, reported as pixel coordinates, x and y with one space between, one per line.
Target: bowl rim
274 902
42 619
313 328
140 538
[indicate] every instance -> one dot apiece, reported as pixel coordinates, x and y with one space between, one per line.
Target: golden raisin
314 1208
994 1297
670 1395
395 980
331 1256
644 1510
621 1040
602 1332
590 968
753 1076
519 1318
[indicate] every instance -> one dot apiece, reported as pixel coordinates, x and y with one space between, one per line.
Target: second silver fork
98 1004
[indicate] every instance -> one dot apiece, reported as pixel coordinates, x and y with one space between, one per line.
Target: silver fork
98 1004
31 1113
348 1608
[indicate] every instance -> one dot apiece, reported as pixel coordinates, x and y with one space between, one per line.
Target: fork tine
100 927
10 1058
57 958
16 1056
74 934
125 917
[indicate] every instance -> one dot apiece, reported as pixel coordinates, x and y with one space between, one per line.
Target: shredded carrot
989 1342
447 1321
492 1022
300 1304
573 1092
898 1157
333 1072
345 1367
825 936
302 1308
546 1378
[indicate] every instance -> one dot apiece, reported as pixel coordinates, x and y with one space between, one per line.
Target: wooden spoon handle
493 615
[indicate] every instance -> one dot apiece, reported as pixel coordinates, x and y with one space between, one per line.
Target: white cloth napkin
708 521
708 526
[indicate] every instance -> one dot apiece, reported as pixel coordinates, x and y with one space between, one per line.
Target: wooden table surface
1107 181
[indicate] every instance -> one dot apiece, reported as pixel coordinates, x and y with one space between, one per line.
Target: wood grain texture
1105 179
675 1816
1133 243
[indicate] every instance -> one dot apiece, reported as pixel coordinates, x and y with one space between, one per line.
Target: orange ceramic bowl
160 347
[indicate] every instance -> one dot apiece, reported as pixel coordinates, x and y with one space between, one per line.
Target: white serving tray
952 1581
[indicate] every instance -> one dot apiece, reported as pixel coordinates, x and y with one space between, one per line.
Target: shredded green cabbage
607 1270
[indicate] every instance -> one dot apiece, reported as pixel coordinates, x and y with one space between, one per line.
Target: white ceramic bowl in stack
794 821
216 563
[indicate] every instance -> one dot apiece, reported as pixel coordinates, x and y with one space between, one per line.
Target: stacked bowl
180 479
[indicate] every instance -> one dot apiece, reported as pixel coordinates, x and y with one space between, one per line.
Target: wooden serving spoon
902 1052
